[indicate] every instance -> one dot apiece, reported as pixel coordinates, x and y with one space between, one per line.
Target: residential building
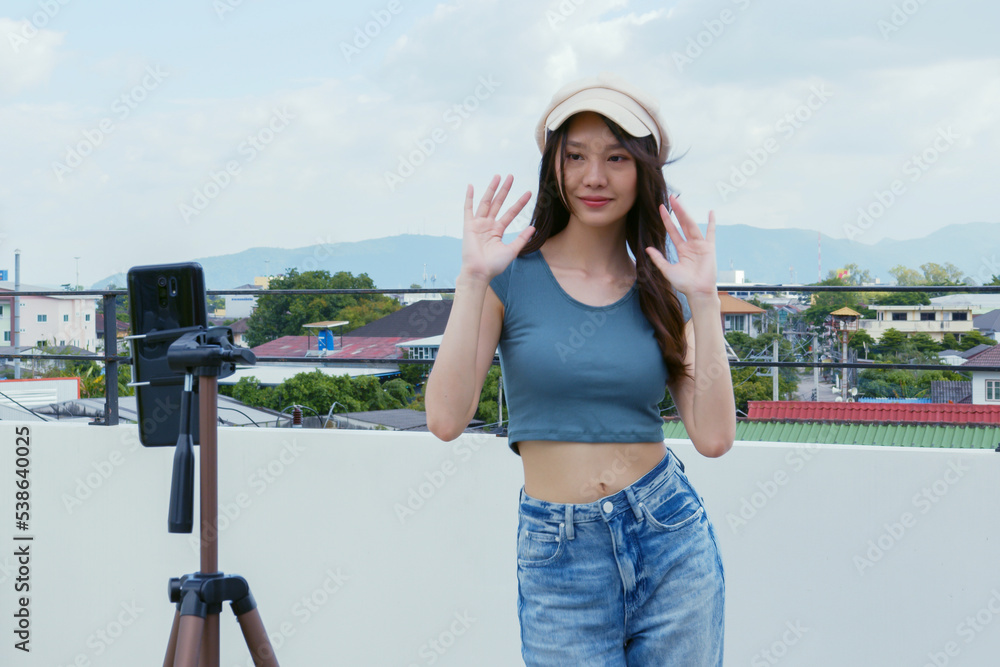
242 305
933 320
49 320
738 315
988 324
986 384
980 302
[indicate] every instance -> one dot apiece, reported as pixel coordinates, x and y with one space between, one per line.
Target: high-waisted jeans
633 579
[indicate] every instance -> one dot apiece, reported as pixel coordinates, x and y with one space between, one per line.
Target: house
121 330
951 391
988 324
978 303
929 413
985 384
239 328
242 305
933 320
738 315
49 320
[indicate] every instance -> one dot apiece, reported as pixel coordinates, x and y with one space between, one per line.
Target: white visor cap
606 94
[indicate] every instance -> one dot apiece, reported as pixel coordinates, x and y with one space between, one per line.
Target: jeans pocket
537 546
675 507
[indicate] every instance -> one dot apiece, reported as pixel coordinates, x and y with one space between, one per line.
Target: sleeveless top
574 372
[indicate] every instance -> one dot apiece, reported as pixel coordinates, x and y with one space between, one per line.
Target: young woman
617 560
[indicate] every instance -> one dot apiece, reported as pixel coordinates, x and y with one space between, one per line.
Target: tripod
194 637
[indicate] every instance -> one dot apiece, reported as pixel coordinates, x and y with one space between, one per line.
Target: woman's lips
594 202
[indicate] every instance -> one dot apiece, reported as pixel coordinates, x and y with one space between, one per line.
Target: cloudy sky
136 133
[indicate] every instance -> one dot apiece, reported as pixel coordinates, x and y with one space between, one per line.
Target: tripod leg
210 642
168 660
257 640
190 630
189 641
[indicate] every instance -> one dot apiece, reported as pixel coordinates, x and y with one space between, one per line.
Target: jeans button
608 507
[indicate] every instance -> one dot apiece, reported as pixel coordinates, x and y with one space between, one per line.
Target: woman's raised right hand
484 254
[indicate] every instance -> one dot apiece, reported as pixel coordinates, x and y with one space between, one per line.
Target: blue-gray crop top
573 372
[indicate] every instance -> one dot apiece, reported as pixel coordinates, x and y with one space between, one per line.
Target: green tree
972 339
906 276
900 298
859 339
827 302
892 341
279 315
487 410
936 274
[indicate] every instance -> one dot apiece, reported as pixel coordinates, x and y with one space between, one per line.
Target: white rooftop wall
834 555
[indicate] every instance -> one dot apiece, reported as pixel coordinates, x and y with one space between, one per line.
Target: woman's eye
618 158
574 156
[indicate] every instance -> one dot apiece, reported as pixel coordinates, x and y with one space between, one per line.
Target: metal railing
112 361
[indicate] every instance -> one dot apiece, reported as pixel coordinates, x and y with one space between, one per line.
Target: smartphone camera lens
161 281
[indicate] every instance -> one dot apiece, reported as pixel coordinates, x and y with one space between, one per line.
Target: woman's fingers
688 226
513 211
498 200
671 227
487 200
710 230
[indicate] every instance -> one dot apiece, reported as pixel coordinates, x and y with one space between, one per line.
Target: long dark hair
643 229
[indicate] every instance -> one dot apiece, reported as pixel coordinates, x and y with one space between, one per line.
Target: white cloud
28 55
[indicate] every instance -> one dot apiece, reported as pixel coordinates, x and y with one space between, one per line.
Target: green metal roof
859 433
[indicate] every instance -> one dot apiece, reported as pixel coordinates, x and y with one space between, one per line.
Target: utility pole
17 313
815 347
774 373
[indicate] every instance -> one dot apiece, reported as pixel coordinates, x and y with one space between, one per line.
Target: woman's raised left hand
694 273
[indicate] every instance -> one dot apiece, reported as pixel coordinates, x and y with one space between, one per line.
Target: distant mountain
765 255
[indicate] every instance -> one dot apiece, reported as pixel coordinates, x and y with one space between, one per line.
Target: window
1 310
993 390
899 317
927 317
85 317
955 317
735 323
6 336
43 318
65 318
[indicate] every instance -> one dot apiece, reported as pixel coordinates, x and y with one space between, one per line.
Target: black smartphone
162 298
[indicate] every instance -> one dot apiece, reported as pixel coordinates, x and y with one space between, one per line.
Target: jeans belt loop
570 532
634 502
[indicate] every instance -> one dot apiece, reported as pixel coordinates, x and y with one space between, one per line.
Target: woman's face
598 173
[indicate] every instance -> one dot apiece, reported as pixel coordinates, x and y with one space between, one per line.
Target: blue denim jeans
633 579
